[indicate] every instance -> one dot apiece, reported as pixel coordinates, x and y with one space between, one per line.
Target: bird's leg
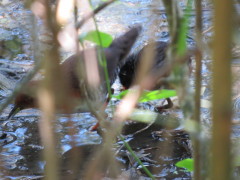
167 106
95 127
123 89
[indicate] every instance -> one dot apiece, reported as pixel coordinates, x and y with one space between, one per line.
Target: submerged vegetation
136 142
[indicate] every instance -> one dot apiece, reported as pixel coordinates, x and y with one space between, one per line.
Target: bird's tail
125 42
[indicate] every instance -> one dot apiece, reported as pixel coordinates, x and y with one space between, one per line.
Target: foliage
150 95
98 37
186 163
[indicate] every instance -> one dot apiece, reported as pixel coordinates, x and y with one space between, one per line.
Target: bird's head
22 101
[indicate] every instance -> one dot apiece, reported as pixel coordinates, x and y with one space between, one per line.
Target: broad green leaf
157 94
186 163
100 38
120 95
150 95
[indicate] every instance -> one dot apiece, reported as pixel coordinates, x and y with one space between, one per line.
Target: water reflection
23 156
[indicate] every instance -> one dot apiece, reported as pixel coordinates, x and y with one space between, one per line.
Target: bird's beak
14 111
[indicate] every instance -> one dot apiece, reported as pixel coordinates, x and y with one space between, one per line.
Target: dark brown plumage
114 54
128 70
127 74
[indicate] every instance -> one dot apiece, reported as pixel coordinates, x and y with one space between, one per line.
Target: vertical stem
101 56
198 80
50 94
222 113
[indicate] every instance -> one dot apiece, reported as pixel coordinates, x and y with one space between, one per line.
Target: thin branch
221 151
198 82
91 14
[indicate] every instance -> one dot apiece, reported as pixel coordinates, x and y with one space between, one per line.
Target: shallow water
21 149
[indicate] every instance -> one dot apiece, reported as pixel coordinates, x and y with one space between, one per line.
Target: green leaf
120 95
183 30
157 94
186 163
150 95
100 38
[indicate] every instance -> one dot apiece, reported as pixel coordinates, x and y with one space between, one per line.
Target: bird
72 66
128 72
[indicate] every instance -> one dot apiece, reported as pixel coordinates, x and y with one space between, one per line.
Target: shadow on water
21 148
147 146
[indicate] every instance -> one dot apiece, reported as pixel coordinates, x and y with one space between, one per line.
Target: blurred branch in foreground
221 162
